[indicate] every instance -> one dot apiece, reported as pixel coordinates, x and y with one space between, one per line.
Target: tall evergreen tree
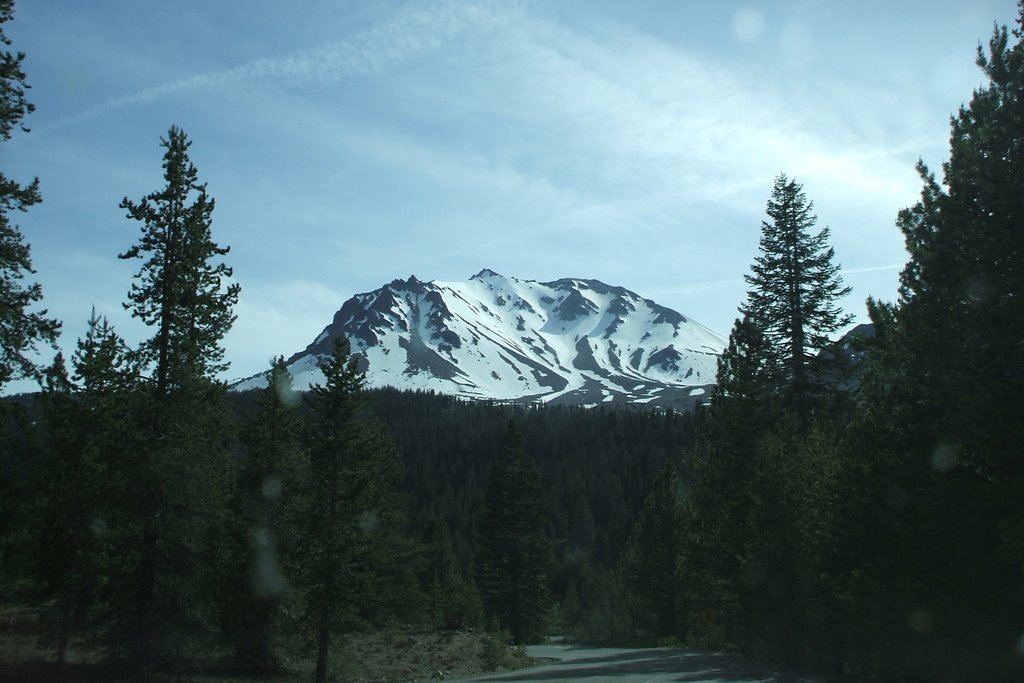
352 564
21 329
783 580
181 474
752 474
744 403
511 560
961 287
452 602
943 399
179 291
653 563
794 288
85 427
265 493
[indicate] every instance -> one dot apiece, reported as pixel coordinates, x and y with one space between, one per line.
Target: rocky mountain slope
495 337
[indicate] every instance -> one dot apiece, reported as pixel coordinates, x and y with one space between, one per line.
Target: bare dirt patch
430 656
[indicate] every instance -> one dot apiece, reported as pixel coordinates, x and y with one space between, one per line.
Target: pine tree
265 495
352 565
181 474
783 583
745 405
943 398
653 563
962 285
772 382
64 553
794 290
511 560
84 427
21 329
178 291
452 603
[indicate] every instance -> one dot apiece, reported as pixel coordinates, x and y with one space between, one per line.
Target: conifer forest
852 508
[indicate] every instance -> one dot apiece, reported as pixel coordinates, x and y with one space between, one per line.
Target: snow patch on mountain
496 337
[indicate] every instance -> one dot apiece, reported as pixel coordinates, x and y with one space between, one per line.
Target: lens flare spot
286 395
369 523
943 458
272 488
748 25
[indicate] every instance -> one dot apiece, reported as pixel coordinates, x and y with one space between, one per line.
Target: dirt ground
431 656
365 658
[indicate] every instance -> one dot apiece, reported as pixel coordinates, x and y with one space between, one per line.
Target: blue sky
351 143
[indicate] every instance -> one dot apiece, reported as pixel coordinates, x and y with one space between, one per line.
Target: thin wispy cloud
627 142
683 128
415 30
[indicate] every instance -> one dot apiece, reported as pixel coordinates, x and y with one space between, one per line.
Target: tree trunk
64 640
142 637
323 645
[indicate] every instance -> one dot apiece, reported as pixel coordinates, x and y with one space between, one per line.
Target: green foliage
262 524
452 602
757 516
601 613
751 469
449 446
498 652
511 561
938 596
785 581
83 422
173 514
352 564
21 329
880 536
178 291
652 564
792 299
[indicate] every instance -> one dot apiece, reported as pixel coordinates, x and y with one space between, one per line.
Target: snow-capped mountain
495 337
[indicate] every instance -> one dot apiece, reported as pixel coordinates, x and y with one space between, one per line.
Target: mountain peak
494 337
486 274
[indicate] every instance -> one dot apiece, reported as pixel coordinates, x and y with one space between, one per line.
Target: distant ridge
570 341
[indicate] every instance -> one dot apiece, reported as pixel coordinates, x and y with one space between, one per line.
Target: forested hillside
596 466
875 532
852 512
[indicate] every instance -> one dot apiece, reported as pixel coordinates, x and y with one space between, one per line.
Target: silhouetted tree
794 289
652 564
511 560
181 474
84 429
941 423
262 522
352 564
21 329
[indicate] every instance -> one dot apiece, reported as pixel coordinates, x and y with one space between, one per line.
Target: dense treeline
595 468
856 513
870 523
596 465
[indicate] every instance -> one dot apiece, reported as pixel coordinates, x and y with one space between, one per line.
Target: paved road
615 665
